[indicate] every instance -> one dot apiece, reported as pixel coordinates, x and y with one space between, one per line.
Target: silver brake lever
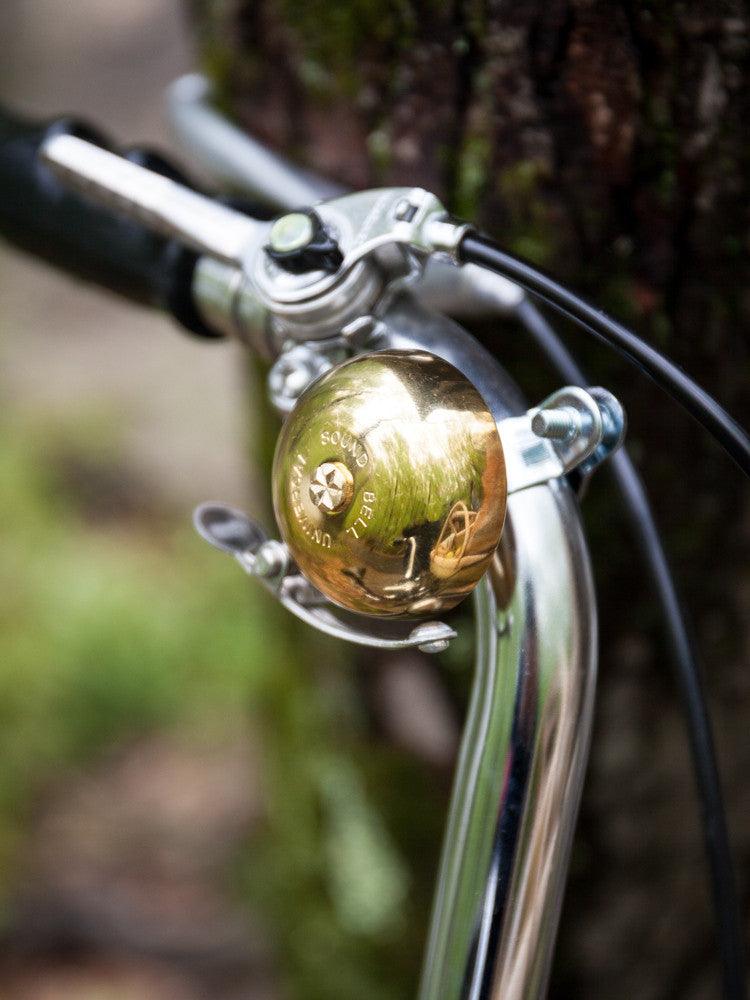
162 204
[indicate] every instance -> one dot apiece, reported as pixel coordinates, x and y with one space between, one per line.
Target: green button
291 232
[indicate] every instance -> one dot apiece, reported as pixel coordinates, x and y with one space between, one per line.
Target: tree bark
608 143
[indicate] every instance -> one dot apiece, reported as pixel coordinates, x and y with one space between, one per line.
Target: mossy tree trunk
607 142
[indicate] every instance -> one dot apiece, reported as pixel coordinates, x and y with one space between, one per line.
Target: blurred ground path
176 402
123 891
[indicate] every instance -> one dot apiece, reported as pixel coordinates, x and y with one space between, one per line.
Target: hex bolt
291 374
438 646
295 381
405 211
291 232
556 424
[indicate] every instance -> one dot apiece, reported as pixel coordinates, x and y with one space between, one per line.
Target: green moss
532 234
471 176
332 35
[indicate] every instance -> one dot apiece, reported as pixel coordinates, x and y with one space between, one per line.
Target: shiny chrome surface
381 225
389 484
525 744
161 204
522 760
559 435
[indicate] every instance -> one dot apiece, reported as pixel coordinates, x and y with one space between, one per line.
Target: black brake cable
687 675
706 410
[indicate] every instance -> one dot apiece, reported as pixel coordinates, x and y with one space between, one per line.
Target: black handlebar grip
39 214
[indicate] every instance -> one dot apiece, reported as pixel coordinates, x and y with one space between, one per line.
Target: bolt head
405 211
431 645
295 381
331 487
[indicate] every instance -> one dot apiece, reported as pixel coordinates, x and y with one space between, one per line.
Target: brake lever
165 206
231 159
383 238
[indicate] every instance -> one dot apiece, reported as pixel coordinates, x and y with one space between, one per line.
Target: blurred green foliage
107 628
345 870
116 620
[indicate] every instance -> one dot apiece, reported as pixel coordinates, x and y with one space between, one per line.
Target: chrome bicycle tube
522 761
525 744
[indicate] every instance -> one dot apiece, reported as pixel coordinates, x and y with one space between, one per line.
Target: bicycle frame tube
525 744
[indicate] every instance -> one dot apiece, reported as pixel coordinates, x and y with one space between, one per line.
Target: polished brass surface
428 487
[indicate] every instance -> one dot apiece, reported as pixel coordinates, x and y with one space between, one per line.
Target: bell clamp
573 429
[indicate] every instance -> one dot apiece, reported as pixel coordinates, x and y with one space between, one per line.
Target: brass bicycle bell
389 484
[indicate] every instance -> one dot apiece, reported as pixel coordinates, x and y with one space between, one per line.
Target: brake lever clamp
302 277
311 273
379 240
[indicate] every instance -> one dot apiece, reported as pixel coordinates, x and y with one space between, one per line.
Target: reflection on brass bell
389 484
